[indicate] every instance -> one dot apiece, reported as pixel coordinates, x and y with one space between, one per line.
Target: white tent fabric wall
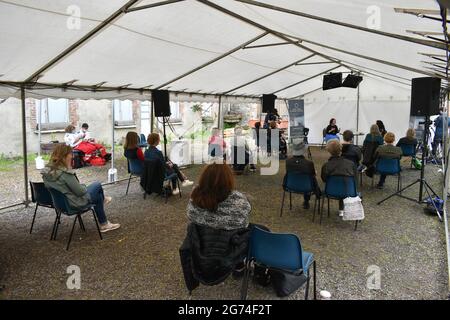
379 100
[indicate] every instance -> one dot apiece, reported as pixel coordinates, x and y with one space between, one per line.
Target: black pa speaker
268 103
161 102
425 96
352 81
332 80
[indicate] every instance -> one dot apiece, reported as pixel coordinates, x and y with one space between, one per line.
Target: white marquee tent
123 49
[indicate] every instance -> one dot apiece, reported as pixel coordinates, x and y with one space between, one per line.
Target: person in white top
73 138
86 134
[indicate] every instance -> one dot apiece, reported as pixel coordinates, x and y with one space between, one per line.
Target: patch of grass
9 163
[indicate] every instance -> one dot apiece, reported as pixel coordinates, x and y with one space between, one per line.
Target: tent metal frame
271 73
239 47
344 24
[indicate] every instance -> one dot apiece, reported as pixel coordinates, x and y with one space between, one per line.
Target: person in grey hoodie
58 174
214 202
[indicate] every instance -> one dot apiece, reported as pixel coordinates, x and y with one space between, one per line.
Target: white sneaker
341 213
108 226
107 200
175 191
187 183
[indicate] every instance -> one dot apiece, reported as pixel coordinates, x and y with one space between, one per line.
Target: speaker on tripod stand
161 103
425 93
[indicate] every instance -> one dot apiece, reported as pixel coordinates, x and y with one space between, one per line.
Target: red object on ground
90 149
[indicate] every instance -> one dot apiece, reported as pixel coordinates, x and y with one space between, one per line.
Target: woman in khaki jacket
59 175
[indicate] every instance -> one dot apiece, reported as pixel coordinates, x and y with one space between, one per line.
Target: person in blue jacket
153 153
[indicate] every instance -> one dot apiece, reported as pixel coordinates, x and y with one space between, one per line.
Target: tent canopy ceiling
242 47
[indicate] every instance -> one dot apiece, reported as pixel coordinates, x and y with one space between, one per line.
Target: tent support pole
296 43
141 91
271 73
158 4
152 117
241 46
24 145
445 194
219 122
428 43
357 115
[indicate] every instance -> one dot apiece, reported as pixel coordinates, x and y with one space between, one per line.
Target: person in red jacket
131 148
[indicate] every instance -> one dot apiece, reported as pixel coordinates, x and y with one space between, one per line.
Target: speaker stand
165 139
423 184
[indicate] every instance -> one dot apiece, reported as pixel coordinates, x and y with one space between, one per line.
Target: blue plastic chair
300 183
143 141
409 150
278 251
41 196
339 188
389 167
135 168
62 206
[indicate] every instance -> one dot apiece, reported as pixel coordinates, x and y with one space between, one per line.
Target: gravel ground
140 260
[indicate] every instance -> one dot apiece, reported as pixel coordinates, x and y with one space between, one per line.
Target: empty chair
62 207
143 141
278 251
408 150
295 182
135 168
42 197
339 188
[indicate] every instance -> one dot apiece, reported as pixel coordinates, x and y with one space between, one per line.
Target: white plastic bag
353 209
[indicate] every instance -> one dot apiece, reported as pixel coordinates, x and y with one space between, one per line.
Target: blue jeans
95 191
382 179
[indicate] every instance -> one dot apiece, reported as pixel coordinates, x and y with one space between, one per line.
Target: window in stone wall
123 113
54 113
175 111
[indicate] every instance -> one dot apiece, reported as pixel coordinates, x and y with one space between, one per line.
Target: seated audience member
216 144
152 153
298 163
131 149
410 138
240 145
337 166
371 142
381 127
374 135
349 150
215 202
90 149
58 175
387 151
219 226
331 132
